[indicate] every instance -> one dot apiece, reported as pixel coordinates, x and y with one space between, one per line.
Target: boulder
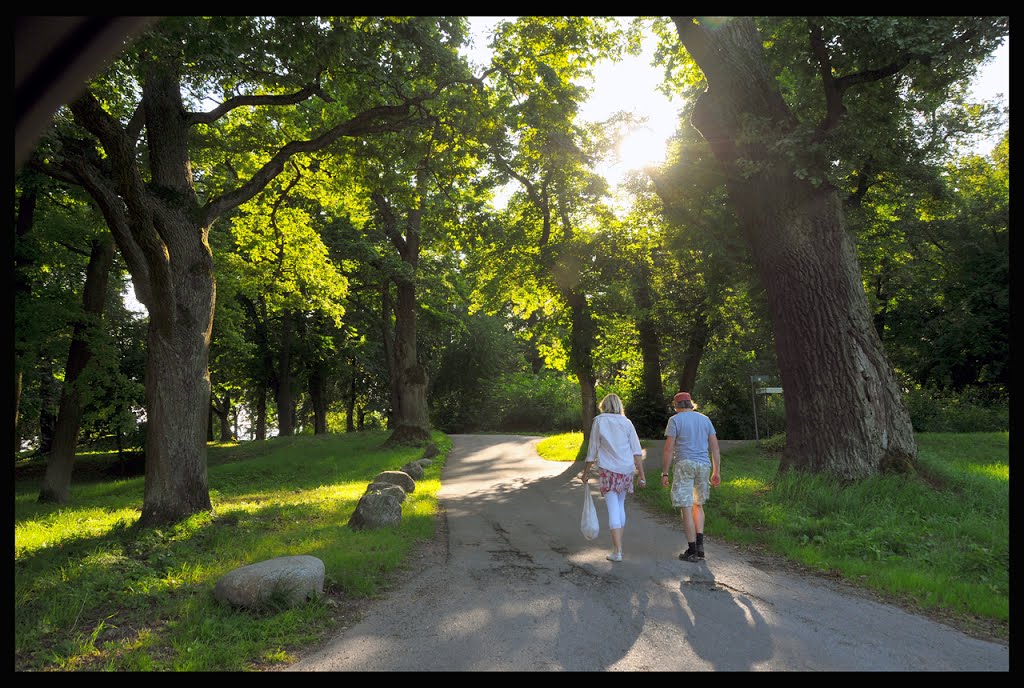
414 470
431 451
387 488
424 462
280 582
376 510
400 478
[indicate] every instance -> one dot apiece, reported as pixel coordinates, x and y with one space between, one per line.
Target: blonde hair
612 404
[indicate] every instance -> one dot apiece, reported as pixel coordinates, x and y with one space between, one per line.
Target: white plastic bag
588 522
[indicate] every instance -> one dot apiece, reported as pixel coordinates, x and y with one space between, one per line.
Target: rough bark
844 411
409 377
56 485
412 423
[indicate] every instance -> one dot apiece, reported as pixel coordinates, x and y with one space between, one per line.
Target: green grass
95 592
937 543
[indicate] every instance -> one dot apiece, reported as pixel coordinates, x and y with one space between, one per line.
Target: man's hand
715 479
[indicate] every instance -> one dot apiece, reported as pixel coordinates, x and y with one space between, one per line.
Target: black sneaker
700 550
689 555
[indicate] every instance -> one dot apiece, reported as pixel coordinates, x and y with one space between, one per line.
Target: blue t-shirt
691 430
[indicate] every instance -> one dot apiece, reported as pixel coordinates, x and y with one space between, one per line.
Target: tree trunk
48 393
409 378
647 334
224 415
412 422
318 399
261 413
387 339
695 343
56 485
283 386
177 400
350 415
581 358
179 290
844 411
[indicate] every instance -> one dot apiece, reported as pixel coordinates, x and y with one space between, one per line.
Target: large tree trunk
412 422
409 377
163 236
844 411
56 485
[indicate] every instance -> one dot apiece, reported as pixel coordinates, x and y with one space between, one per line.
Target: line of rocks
287 581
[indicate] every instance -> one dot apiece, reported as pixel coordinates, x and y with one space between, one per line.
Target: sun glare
642 148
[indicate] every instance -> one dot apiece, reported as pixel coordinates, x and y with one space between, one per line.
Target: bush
971 410
649 416
524 402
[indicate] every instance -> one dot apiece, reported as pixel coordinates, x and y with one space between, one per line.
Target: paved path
515 587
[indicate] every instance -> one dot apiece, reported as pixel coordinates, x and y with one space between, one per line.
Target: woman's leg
616 503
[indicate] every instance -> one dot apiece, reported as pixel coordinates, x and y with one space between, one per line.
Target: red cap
681 397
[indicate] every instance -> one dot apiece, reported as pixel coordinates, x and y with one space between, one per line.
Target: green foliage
649 415
970 410
525 402
464 385
95 592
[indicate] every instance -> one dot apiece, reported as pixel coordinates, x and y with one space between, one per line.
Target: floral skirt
615 482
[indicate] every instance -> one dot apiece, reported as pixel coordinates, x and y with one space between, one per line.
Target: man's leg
690 529
698 524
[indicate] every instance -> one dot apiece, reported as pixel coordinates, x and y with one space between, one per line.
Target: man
689 437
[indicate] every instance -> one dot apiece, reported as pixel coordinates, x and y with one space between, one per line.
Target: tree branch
375 120
245 101
112 207
834 108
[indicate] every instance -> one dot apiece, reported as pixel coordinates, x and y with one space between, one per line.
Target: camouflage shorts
691 483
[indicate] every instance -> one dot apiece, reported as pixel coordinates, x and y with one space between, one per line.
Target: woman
615 448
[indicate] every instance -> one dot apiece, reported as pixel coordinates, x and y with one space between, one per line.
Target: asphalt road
513 586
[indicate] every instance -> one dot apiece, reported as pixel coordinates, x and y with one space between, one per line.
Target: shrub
971 410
